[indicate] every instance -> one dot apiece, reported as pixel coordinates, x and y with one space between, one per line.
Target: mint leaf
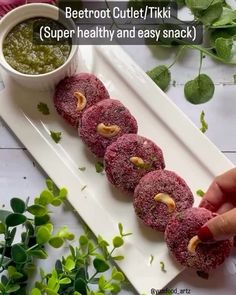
43 108
199 90
161 76
56 136
224 48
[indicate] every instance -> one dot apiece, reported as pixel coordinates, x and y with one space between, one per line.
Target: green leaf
65 234
200 4
56 202
118 258
17 205
199 90
46 197
43 108
200 193
120 227
36 291
83 240
81 286
41 254
212 13
56 242
63 193
116 288
18 254
2 228
50 292
56 136
4 214
12 288
99 166
65 281
15 219
102 283
227 17
41 220
161 76
117 242
204 127
118 276
234 77
37 210
224 48
70 264
43 235
100 265
52 187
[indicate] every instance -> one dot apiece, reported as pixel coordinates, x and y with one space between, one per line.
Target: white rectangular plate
186 150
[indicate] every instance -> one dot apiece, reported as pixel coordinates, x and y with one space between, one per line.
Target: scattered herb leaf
224 48
43 108
82 168
151 259
83 188
204 127
200 193
162 266
234 76
99 166
56 136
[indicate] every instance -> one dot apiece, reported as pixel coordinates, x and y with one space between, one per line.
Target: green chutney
26 57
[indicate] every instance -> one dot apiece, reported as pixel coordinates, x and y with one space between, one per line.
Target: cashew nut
81 101
192 244
137 161
108 130
166 199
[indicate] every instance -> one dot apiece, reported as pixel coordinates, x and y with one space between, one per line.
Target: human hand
220 198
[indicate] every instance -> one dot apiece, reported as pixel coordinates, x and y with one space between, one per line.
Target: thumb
219 228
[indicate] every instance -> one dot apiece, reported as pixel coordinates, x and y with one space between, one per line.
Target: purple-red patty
66 102
156 214
108 112
120 171
184 226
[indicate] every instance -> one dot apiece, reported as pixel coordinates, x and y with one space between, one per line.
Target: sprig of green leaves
83 271
17 259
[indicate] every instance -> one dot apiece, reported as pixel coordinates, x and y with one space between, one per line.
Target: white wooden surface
21 176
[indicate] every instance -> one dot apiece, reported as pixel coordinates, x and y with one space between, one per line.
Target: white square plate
186 150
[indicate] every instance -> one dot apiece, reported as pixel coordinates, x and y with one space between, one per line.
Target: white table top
21 176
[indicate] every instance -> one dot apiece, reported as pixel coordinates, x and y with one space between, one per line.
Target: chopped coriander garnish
203 122
200 193
83 188
99 166
162 266
56 136
82 168
151 259
43 108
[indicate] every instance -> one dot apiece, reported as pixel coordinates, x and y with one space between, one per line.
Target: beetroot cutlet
73 95
184 245
129 158
159 195
103 123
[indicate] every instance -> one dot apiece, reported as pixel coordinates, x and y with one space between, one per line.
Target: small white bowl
42 81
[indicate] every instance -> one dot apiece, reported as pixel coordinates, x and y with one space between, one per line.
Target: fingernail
205 235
